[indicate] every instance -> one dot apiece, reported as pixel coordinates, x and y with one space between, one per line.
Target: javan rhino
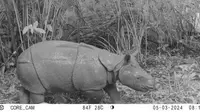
61 66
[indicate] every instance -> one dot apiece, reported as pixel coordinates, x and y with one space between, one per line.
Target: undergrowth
120 26
178 81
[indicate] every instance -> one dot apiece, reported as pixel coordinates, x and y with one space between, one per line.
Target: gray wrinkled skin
60 66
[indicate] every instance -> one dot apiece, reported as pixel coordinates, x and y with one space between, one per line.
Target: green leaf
39 30
49 28
26 28
35 24
31 30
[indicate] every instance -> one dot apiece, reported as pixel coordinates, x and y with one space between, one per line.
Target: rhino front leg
111 89
94 96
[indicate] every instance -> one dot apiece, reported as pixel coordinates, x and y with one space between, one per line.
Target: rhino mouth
150 88
147 88
144 87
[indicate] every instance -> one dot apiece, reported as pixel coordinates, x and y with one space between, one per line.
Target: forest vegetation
166 33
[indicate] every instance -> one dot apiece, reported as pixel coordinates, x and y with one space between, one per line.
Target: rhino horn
109 60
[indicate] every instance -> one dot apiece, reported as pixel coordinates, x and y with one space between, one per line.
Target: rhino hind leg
26 97
111 90
94 97
36 98
23 96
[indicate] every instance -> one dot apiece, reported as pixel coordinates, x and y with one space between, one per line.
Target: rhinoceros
61 66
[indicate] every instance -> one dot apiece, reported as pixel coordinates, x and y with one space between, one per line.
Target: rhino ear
109 60
127 59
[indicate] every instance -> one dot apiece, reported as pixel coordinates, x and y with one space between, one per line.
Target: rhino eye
139 78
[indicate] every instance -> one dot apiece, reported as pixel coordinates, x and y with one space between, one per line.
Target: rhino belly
89 74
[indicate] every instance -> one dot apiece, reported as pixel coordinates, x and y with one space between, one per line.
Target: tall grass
120 26
116 25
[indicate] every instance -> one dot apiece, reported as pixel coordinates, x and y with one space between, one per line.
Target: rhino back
89 74
54 63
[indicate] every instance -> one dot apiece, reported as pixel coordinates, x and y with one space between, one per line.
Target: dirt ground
178 81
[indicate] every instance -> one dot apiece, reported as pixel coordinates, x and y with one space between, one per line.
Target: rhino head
129 73
127 70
